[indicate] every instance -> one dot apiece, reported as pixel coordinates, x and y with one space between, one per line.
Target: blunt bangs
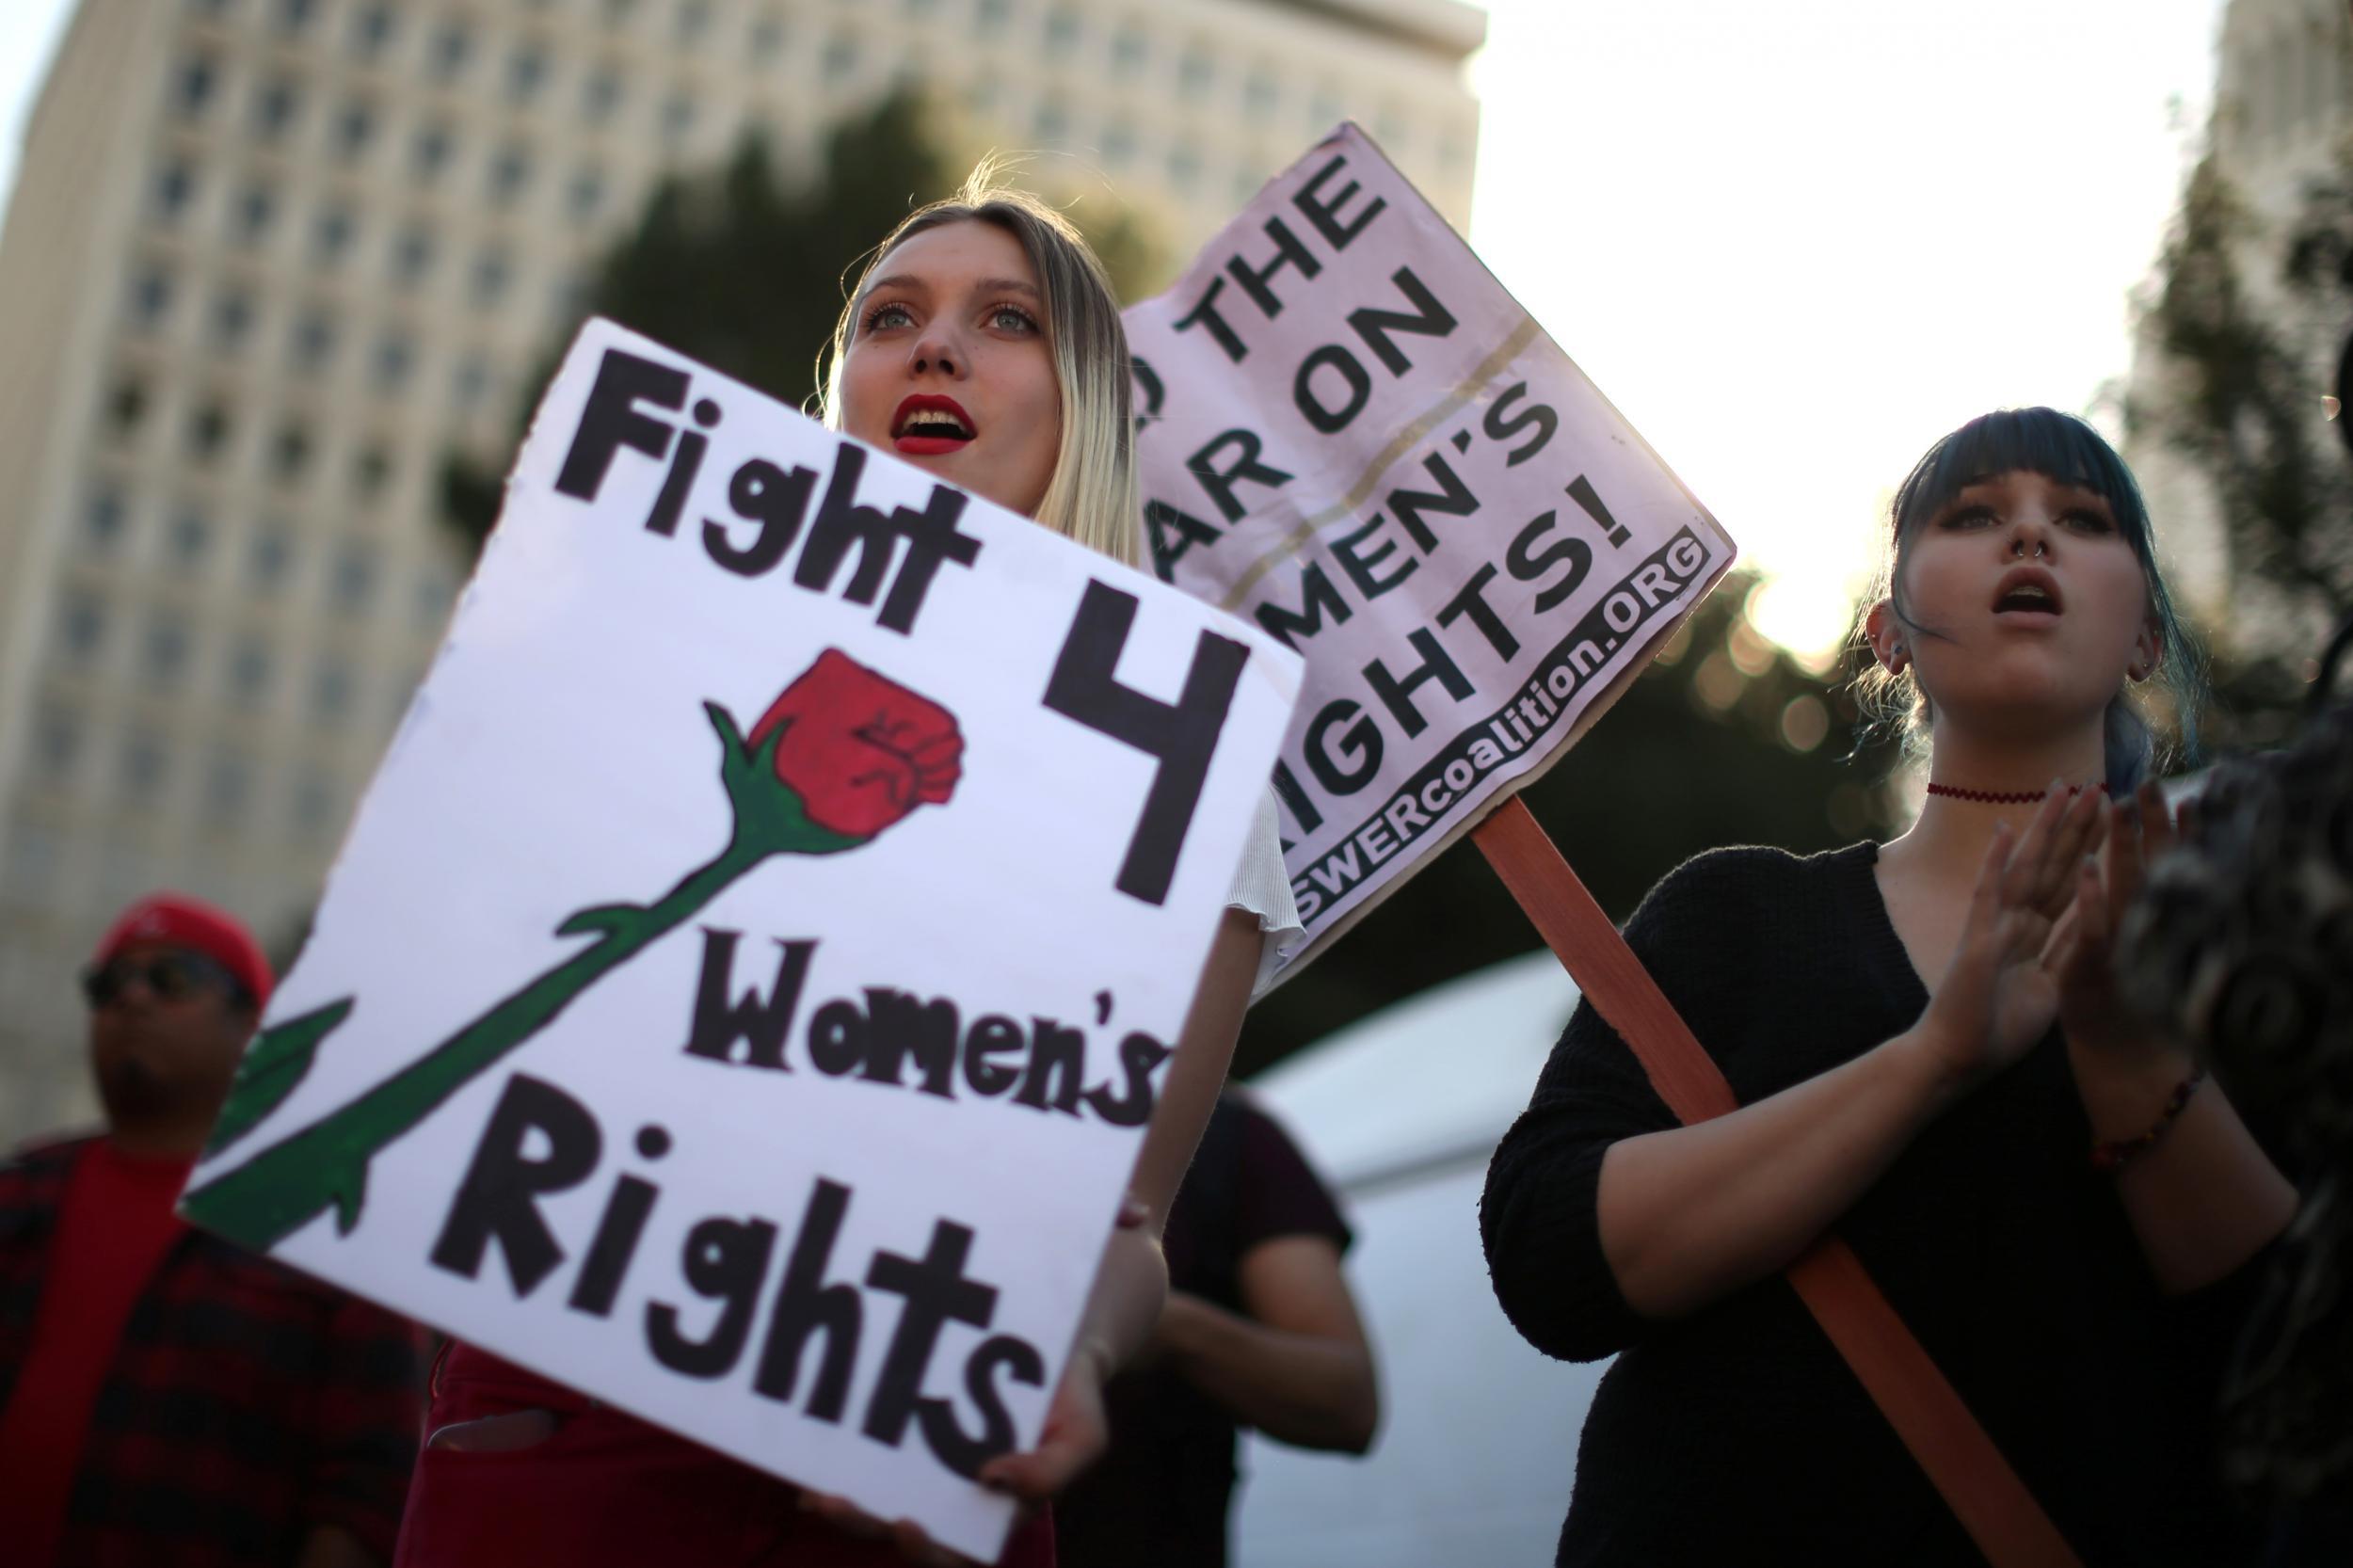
2057 446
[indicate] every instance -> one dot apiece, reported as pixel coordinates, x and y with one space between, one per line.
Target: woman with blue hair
1931 1060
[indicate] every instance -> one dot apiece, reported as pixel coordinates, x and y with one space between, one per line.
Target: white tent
1479 1432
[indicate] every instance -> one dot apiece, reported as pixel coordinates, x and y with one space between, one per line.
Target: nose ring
2018 547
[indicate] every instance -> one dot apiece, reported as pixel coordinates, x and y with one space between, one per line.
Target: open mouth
2027 591
927 425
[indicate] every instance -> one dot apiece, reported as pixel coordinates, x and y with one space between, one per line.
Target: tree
746 273
2241 400
1724 740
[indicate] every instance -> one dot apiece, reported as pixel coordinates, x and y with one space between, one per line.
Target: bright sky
1794 244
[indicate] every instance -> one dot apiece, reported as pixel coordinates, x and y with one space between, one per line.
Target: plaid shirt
246 1403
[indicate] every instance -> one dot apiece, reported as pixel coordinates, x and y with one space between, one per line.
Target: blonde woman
982 344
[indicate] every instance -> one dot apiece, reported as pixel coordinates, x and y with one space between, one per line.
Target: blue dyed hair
2062 448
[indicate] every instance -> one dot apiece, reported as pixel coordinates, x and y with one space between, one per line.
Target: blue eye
883 316
1012 318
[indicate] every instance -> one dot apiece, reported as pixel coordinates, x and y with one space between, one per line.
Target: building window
431 603
126 406
989 16
175 191
526 73
1184 166
510 172
144 767
694 20
1261 94
331 240
255 209
394 358
840 55
372 31
233 320
370 472
275 108
1061 31
82 628
412 255
678 115
429 155
314 340
167 651
585 194
271 556
452 46
191 538
313 802
198 79
354 581
1052 120
472 380
491 272
330 692
767 38
103 520
1196 73
209 429
355 128
151 298
60 740
290 452
296 16
1131 50
226 784
1119 146
600 96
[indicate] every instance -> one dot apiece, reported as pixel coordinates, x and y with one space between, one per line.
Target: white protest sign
746 980
1352 435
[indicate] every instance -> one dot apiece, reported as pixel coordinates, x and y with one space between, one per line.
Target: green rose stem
325 1165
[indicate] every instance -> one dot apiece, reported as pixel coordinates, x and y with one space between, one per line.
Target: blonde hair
1092 497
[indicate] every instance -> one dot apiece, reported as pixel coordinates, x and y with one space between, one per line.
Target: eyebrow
986 285
2082 487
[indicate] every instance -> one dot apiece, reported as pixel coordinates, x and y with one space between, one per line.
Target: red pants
609 1489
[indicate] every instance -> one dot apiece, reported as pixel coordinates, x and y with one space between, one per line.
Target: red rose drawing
859 749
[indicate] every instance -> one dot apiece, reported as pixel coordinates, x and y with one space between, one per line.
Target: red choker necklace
1999 798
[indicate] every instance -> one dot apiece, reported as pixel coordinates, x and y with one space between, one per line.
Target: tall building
268 261
2282 115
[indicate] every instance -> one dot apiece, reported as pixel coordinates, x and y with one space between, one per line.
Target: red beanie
175 920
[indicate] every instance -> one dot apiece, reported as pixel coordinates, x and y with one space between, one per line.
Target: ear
2147 650
1886 632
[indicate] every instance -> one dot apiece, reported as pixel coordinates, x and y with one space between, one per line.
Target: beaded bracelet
2112 1157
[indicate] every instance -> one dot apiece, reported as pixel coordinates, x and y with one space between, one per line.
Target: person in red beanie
167 1397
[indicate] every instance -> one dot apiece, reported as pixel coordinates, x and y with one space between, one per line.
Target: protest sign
1350 434
747 980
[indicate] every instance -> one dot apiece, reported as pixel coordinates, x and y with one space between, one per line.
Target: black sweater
1736 1435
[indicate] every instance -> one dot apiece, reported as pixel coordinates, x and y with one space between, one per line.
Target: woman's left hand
1075 1434
2093 1014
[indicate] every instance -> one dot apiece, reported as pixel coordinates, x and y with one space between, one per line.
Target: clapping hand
2003 986
2091 1011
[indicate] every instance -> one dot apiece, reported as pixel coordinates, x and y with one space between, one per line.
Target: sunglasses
168 977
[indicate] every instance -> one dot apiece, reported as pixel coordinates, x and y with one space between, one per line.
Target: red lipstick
928 423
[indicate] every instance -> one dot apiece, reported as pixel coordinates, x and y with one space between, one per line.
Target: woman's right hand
2001 992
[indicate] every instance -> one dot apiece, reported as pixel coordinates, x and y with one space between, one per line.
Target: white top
1263 888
